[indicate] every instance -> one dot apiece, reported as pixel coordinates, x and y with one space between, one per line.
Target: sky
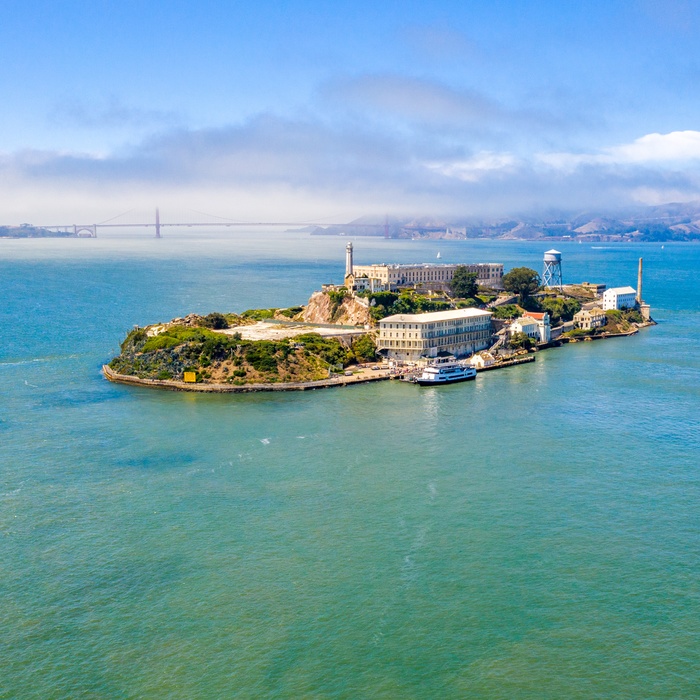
326 111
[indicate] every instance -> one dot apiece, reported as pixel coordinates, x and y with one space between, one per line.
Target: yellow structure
590 318
190 377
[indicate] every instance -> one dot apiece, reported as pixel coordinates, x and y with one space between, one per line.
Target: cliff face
326 308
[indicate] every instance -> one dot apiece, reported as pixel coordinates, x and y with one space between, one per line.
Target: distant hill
668 222
28 231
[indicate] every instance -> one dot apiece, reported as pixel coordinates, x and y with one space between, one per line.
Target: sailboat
438 256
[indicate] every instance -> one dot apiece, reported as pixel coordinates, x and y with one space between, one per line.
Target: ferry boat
445 372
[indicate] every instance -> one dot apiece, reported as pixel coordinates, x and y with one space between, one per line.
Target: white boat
438 256
447 371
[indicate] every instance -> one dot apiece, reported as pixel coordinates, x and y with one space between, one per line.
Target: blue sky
308 109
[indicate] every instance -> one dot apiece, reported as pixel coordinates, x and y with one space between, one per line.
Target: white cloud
474 168
674 147
279 169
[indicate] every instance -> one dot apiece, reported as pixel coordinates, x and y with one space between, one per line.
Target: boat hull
440 382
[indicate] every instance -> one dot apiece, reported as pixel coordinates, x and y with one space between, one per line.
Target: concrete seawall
173 385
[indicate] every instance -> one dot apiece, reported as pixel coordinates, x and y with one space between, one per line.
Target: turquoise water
532 534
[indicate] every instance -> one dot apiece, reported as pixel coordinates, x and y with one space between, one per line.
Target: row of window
402 343
438 333
430 326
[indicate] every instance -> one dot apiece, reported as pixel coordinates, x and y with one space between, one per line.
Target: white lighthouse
348 259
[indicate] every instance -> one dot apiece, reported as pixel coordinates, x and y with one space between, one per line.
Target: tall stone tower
644 309
348 259
639 281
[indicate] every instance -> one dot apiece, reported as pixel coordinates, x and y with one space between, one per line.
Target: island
30 231
383 322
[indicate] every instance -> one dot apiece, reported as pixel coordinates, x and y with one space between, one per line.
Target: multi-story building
428 275
587 319
619 298
460 332
534 325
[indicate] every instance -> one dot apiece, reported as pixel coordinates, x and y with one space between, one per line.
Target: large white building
460 332
618 298
428 275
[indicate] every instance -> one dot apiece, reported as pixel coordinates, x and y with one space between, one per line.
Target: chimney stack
639 282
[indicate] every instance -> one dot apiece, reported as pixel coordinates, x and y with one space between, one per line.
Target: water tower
552 269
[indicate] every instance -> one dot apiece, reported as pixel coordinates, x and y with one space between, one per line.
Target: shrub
259 314
468 304
521 340
261 356
134 339
364 349
560 309
506 312
578 333
216 348
159 342
633 316
215 320
330 350
291 311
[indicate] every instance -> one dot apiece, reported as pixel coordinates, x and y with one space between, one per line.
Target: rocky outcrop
333 307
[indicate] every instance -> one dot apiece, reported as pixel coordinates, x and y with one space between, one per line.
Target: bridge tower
84 230
157 223
551 276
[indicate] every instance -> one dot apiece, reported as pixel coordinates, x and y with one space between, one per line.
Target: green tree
215 320
364 348
463 283
520 340
405 304
560 310
506 311
522 281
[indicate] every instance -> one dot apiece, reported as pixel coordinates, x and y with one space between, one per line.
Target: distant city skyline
310 110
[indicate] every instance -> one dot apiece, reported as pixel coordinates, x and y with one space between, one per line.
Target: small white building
534 325
362 283
482 359
619 298
525 325
587 319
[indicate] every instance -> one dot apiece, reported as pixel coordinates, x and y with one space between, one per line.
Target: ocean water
532 534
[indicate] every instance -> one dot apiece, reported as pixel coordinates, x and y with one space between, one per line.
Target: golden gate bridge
90 230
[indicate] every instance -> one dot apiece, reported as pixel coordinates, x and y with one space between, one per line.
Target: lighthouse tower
551 277
348 259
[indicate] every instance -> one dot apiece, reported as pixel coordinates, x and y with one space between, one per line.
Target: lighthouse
348 259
